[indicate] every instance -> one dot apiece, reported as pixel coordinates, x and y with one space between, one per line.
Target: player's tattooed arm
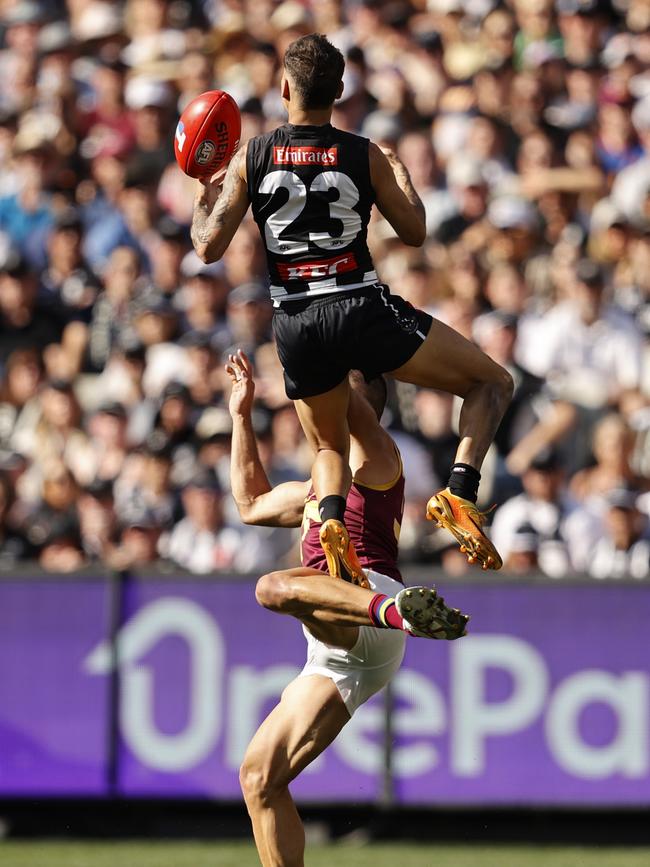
219 207
404 182
396 196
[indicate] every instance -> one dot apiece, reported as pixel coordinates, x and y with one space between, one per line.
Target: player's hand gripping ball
207 134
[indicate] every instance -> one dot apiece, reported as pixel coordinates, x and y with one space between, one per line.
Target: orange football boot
342 560
465 522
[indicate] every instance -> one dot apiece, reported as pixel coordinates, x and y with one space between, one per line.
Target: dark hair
374 390
316 69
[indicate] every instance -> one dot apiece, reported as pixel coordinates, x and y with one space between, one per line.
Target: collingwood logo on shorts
408 323
304 155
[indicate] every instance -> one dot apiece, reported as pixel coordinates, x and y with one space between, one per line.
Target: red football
207 134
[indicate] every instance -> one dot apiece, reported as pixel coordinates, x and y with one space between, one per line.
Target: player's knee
271 591
256 783
500 383
505 384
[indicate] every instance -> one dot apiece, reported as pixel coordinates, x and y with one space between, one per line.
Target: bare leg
333 610
324 419
310 715
329 607
449 362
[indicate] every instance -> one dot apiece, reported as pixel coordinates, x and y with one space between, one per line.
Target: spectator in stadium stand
175 414
113 312
631 189
145 486
121 379
68 282
104 122
26 214
203 366
464 300
97 519
203 543
589 350
105 228
622 547
469 190
57 435
488 144
155 321
213 431
13 546
204 296
107 446
544 505
249 316
524 549
506 290
150 101
582 24
281 436
21 23
510 233
616 142
167 249
138 541
25 322
612 445
52 527
19 404
194 76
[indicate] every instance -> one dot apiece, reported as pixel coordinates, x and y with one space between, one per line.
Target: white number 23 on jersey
291 210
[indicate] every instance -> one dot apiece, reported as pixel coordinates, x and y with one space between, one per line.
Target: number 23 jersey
311 196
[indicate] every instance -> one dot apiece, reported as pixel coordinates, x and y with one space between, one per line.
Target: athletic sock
332 506
463 481
383 612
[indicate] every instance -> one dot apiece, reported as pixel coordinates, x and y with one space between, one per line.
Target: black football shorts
321 339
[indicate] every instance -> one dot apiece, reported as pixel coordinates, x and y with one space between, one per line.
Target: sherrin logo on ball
207 133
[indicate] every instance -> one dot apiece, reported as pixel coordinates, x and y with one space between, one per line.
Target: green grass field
199 854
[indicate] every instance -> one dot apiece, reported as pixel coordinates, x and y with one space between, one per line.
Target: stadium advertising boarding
544 703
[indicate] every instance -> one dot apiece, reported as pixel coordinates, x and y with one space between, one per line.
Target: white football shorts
365 669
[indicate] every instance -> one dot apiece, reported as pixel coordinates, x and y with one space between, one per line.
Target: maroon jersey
373 517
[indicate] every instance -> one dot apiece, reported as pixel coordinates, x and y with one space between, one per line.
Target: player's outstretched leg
310 715
447 361
329 608
324 421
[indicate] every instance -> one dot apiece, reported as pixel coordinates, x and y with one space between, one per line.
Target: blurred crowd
525 125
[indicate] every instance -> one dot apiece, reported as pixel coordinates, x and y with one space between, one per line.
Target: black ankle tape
332 506
464 481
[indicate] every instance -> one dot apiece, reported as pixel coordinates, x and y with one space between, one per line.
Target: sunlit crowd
525 125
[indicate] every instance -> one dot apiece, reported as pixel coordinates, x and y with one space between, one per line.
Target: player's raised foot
465 522
427 616
342 560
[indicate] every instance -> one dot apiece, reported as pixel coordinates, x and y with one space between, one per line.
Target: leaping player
355 636
312 187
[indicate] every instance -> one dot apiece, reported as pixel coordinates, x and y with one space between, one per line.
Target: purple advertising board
546 702
53 718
